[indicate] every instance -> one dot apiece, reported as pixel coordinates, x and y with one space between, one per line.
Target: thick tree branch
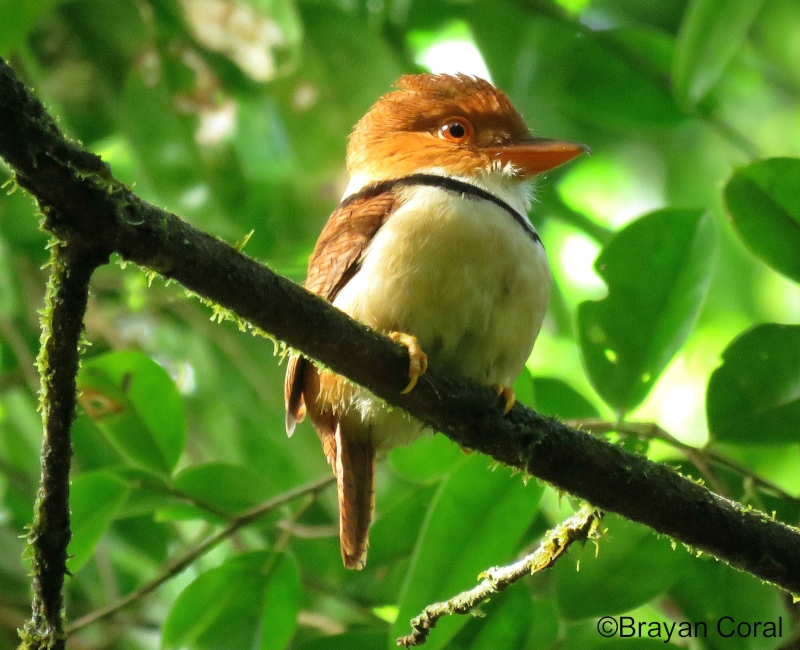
93 207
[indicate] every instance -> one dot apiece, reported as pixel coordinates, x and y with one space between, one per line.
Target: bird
431 245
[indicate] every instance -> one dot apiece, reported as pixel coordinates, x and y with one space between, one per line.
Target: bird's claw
509 396
418 360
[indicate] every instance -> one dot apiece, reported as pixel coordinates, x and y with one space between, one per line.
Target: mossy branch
580 527
92 207
49 534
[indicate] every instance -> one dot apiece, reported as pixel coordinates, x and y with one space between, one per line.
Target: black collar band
446 183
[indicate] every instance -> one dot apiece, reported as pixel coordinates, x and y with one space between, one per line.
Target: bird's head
459 125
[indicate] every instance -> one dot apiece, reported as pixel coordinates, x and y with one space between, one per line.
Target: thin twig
179 564
578 528
699 457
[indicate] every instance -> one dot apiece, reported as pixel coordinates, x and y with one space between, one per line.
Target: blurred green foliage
675 252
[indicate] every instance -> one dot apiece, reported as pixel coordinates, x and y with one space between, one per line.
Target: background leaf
765 210
475 520
711 33
136 405
230 488
224 607
551 396
657 270
629 567
95 499
754 396
728 593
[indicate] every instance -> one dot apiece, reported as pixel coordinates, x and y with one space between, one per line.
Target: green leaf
634 644
764 205
613 77
92 449
345 68
361 640
249 601
711 34
475 521
754 396
229 488
281 605
137 407
395 531
553 397
629 567
9 303
428 459
161 139
710 590
149 538
506 624
18 19
658 270
150 492
95 499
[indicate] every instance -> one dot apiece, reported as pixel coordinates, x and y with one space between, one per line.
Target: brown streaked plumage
431 240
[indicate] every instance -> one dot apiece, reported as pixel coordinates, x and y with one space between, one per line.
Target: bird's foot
418 360
508 395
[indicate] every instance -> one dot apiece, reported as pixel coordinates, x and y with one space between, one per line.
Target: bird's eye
456 129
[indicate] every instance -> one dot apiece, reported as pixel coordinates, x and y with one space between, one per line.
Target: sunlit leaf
754 396
95 499
474 522
764 206
658 270
629 567
711 34
615 78
262 37
136 405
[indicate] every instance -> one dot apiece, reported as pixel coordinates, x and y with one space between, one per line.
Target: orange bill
537 155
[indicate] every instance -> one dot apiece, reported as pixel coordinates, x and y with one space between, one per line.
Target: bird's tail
355 478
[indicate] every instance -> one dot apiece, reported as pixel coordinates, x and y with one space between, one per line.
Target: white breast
461 275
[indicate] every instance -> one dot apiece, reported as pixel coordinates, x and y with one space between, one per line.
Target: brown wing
335 260
343 241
